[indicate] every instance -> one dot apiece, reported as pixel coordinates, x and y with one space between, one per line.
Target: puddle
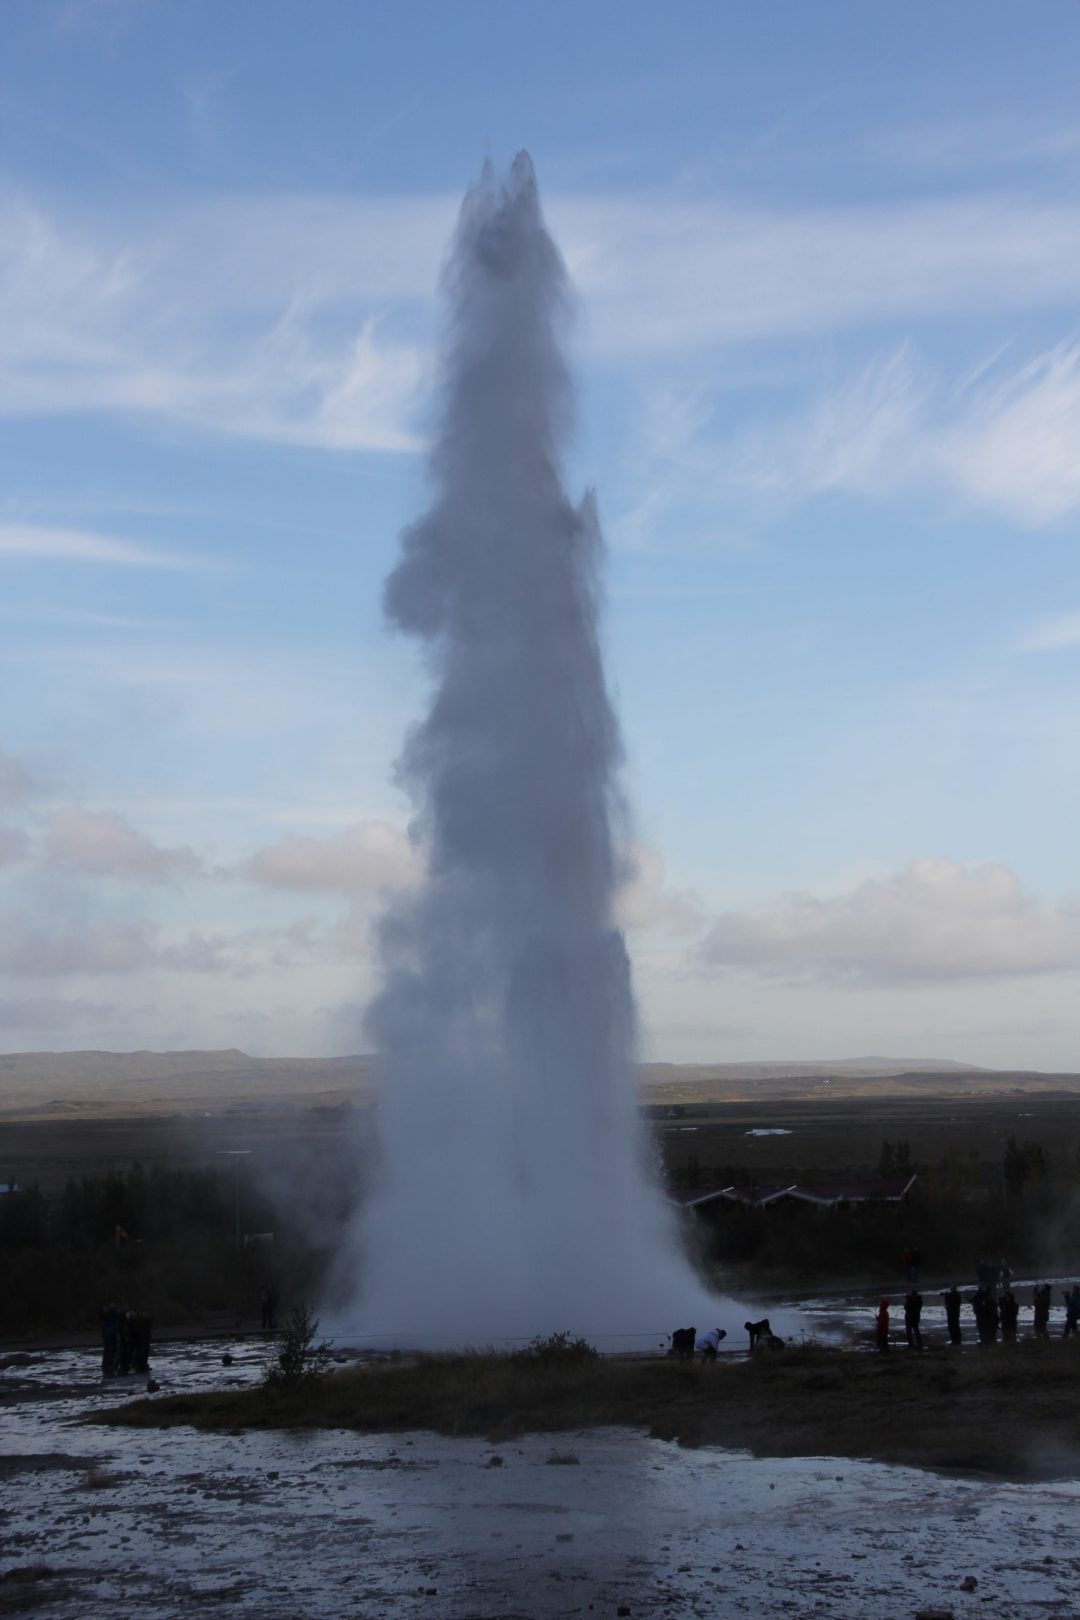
333 1523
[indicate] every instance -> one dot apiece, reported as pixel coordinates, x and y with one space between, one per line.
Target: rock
933 1614
226 1360
494 1462
152 1386
968 1584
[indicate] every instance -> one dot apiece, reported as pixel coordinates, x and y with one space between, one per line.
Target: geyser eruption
515 1199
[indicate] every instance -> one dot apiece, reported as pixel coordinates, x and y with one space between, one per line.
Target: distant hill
112 1084
843 1077
102 1085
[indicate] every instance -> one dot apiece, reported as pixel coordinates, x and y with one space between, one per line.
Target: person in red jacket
881 1330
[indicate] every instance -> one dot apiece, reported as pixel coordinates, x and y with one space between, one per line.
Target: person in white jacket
709 1343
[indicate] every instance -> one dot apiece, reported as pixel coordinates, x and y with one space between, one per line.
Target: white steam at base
515 1198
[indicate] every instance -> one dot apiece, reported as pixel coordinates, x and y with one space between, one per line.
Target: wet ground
97 1521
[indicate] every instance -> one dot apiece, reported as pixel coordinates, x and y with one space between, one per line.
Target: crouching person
682 1344
709 1343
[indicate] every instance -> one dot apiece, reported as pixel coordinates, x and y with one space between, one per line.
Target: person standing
110 1327
1009 1307
881 1326
912 1319
981 1309
1071 1297
953 1301
1040 1300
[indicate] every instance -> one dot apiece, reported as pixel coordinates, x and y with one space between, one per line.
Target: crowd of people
993 1305
125 1341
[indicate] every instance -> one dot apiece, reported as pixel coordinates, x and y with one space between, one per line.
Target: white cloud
1063 630
16 782
99 843
14 846
28 951
645 901
936 921
47 1013
366 858
75 545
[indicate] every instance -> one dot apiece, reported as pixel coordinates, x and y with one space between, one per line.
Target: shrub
300 1359
557 1350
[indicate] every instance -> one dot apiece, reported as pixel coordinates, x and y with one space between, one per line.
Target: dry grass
1013 1410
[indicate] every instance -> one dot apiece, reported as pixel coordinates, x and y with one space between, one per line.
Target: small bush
557 1350
300 1360
565 1459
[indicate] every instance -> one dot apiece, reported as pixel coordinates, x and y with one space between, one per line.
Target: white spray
516 1199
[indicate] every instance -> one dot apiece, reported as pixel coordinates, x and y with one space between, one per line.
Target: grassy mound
1010 1410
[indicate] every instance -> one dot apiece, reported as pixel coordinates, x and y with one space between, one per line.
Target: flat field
53 1127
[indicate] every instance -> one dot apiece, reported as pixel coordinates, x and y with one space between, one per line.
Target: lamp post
236 1154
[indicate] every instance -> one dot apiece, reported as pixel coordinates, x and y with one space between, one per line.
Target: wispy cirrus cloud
1052 634
937 921
246 317
307 318
44 544
1005 440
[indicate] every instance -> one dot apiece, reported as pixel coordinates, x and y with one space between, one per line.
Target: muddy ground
97 1521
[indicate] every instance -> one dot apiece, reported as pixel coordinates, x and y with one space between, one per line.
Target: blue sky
828 356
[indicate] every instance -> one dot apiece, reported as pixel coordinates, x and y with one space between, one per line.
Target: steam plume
515 1199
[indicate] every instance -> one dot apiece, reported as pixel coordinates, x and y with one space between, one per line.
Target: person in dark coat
953 1301
1071 1296
980 1302
141 1326
1009 1307
1040 1300
881 1326
109 1331
125 1341
912 1319
682 1343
